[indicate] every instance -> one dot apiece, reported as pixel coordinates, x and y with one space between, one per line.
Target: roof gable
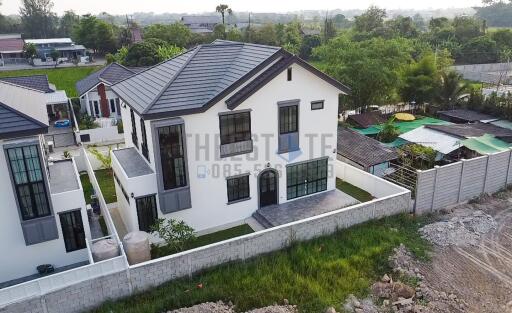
110 74
16 124
35 82
194 80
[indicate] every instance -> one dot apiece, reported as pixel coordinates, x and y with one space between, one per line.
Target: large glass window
72 230
146 212
288 119
238 188
29 181
235 127
144 144
134 130
306 178
172 156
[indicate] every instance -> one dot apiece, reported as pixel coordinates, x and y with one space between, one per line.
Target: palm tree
452 87
223 9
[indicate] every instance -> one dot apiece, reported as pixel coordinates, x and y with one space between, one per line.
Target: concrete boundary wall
461 181
121 283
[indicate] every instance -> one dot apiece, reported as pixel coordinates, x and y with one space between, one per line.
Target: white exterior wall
209 195
18 259
93 95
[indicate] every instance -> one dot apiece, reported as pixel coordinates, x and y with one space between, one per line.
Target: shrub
176 234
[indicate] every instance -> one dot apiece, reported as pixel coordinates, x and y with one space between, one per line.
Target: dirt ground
480 275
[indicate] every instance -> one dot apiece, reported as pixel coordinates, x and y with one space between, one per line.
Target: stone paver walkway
302 208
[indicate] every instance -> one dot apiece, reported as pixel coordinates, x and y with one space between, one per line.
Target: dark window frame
112 104
172 157
235 127
289 74
306 178
143 221
144 142
74 240
314 105
287 122
33 183
238 188
135 140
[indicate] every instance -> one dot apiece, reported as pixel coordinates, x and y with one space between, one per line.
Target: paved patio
274 215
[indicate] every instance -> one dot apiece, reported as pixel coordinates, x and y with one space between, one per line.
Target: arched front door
268 187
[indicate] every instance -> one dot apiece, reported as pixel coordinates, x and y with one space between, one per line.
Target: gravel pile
221 307
459 230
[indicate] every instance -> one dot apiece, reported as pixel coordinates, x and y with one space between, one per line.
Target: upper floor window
289 74
134 130
172 156
144 143
288 119
28 181
317 105
235 127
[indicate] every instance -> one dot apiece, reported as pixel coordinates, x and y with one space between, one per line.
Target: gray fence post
486 171
432 204
463 161
508 167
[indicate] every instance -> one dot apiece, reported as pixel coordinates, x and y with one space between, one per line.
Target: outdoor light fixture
133 196
268 165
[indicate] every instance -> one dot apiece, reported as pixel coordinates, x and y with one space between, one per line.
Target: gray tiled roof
15 123
362 149
193 80
132 162
110 75
467 115
37 82
472 130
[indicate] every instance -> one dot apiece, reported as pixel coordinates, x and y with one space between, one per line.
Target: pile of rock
221 307
462 230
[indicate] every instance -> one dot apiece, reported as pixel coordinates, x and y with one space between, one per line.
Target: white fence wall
93 292
101 135
462 181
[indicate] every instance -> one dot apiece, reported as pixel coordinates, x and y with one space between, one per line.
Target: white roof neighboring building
57 97
427 137
49 40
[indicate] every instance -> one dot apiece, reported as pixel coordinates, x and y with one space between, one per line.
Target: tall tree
421 81
177 34
104 35
370 20
38 19
67 23
84 33
223 9
452 87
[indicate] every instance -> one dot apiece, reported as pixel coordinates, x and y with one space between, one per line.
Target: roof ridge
8 107
103 70
158 64
20 86
171 80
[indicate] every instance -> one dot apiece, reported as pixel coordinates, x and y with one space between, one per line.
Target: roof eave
24 133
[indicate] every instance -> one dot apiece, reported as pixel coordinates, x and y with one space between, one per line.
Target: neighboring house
56 102
67 49
364 152
222 130
95 92
44 219
367 119
11 49
201 24
461 116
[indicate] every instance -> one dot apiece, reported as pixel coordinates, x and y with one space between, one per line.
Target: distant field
63 78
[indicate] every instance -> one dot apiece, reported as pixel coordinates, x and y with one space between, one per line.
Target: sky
201 6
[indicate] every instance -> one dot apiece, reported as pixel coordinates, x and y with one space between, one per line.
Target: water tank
104 249
137 248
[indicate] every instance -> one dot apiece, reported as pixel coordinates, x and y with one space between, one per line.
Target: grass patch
106 181
86 186
353 191
312 275
62 78
157 252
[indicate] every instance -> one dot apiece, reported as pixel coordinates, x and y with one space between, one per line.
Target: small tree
176 234
55 56
389 131
105 160
30 51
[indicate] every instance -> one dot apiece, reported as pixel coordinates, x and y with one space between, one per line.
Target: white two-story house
222 130
44 219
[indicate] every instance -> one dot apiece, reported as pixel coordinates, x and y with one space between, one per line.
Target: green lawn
353 191
204 240
106 182
312 275
62 78
87 187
